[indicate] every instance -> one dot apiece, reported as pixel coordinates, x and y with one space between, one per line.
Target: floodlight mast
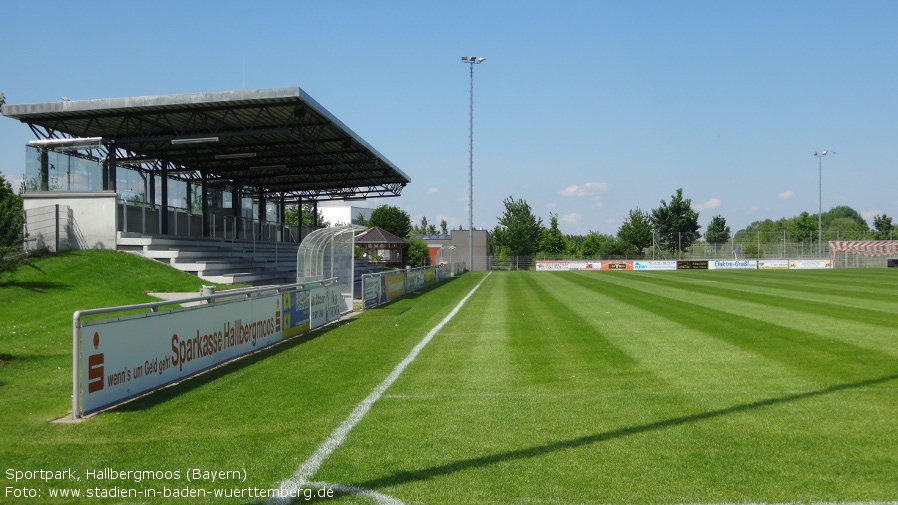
820 156
471 60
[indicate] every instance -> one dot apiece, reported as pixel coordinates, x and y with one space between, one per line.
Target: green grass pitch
563 388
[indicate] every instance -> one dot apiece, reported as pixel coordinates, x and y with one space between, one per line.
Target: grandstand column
110 182
44 174
236 205
281 216
261 212
109 168
204 194
163 210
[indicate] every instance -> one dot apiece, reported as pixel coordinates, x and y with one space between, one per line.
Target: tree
885 230
291 215
518 231
393 219
592 245
418 254
718 231
12 236
676 222
422 228
636 230
846 212
444 230
553 241
845 228
11 216
802 228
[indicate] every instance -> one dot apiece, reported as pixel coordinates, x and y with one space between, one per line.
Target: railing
147 219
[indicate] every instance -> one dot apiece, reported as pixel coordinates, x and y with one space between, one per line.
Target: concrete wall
87 220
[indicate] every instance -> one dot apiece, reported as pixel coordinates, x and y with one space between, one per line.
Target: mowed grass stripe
709 370
868 284
820 356
876 309
734 292
644 442
464 442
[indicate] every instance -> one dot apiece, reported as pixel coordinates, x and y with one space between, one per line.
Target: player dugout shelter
217 158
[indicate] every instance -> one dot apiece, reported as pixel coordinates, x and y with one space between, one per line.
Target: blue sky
583 109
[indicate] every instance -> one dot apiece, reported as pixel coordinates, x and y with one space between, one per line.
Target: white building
343 214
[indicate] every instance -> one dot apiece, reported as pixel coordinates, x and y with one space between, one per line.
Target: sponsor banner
430 276
552 266
585 265
809 264
655 265
773 264
371 288
414 280
692 265
296 312
733 265
616 265
393 286
892 263
318 306
124 357
332 303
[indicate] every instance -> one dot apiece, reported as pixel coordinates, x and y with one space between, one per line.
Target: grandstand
201 181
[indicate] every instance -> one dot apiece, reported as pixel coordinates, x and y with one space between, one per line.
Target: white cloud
551 205
432 191
572 218
710 204
785 195
588 189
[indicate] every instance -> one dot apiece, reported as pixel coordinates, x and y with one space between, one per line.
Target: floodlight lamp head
824 152
464 58
481 60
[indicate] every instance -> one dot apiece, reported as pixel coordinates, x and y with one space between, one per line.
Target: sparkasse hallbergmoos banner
123 357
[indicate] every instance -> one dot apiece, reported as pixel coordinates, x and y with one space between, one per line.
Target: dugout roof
278 140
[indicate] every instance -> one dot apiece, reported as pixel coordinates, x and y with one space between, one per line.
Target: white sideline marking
305 471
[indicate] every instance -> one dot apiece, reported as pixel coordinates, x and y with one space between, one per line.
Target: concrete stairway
218 261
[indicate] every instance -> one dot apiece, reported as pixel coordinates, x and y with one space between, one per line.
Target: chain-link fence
758 246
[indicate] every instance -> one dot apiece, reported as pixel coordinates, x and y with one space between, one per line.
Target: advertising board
296 312
733 265
371 289
809 264
773 264
393 286
552 266
692 265
616 265
123 357
655 265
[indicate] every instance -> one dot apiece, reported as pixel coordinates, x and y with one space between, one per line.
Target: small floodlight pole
820 156
471 60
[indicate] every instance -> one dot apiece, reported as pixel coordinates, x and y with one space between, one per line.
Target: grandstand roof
280 140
